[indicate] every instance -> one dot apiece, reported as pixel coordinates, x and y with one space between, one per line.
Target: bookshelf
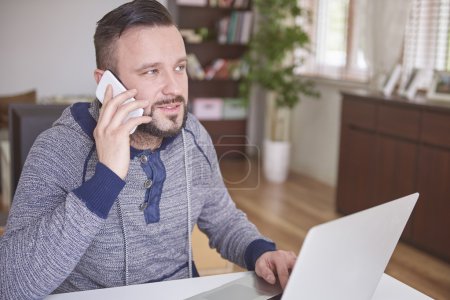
228 134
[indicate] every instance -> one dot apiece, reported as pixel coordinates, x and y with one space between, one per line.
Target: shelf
206 52
211 8
224 88
215 44
229 136
228 127
202 16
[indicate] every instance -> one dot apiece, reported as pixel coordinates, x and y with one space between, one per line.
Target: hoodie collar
86 115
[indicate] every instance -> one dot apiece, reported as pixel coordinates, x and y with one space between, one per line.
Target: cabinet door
396 164
356 170
431 227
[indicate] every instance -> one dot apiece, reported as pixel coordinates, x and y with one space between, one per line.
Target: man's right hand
112 136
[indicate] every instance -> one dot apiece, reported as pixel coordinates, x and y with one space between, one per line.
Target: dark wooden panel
229 137
395 172
188 16
230 151
27 121
431 217
411 142
436 129
356 171
213 88
208 51
227 128
419 102
199 16
399 121
358 113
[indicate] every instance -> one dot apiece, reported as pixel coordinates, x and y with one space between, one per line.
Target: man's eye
152 71
180 68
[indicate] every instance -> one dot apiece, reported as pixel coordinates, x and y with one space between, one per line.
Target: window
427 38
335 43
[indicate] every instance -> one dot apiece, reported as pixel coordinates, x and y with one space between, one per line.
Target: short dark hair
113 24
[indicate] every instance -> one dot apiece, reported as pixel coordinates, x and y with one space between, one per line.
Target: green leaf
274 40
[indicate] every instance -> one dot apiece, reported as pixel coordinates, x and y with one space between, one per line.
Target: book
246 27
194 68
235 28
225 3
193 2
234 109
222 30
208 108
231 32
221 68
211 70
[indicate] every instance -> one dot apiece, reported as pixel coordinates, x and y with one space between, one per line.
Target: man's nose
171 84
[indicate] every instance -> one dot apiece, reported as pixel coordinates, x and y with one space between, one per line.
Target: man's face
153 61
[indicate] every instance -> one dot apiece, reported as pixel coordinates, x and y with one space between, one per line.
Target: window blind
426 45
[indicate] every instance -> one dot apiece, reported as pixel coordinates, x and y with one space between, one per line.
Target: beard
154 128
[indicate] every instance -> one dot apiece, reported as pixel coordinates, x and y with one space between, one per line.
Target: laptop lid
345 258
340 259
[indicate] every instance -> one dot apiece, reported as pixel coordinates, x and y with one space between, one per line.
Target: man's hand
275 263
112 136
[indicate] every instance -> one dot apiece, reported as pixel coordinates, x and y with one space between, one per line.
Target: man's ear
98 75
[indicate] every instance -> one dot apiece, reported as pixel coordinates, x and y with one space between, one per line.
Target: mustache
177 99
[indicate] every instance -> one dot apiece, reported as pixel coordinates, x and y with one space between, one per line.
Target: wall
48 45
315 131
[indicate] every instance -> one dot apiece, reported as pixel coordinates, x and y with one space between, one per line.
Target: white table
388 289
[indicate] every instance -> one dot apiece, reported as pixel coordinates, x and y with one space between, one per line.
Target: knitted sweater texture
74 225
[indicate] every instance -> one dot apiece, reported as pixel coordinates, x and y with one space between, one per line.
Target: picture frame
440 87
392 80
409 90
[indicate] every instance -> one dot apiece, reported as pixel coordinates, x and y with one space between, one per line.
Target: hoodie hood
81 117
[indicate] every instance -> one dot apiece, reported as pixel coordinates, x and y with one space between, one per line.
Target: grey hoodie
75 225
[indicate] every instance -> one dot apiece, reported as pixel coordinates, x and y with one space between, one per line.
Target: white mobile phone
109 78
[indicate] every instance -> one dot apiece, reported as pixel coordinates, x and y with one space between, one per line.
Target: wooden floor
285 212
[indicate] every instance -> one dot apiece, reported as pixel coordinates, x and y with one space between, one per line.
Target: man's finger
136 121
292 258
264 271
123 111
282 272
108 95
110 107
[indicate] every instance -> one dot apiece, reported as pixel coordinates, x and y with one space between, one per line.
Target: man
97 207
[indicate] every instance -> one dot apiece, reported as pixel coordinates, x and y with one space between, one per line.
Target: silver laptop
340 259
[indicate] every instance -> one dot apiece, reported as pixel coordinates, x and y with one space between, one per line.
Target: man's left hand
275 263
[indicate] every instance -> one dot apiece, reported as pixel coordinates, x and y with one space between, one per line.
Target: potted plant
270 62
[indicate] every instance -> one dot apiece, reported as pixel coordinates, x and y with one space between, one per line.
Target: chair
3 218
27 121
5 101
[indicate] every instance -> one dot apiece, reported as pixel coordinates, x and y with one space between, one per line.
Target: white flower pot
276 157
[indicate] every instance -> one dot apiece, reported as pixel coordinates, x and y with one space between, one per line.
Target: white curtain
382 26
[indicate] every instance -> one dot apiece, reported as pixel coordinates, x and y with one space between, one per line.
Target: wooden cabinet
357 158
431 226
228 135
390 148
